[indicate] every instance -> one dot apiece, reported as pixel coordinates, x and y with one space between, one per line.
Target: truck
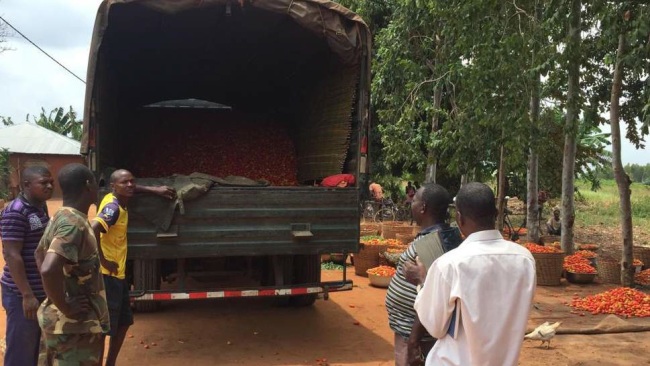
276 91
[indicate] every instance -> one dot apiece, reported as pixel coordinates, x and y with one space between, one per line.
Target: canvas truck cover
347 36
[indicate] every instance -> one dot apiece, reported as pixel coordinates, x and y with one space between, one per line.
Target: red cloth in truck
334 180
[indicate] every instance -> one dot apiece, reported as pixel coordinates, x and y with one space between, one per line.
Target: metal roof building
29 138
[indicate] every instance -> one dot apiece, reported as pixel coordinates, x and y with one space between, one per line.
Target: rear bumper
321 288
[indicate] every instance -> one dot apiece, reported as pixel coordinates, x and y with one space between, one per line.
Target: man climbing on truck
110 227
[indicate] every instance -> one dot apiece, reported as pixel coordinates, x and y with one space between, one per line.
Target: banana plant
60 121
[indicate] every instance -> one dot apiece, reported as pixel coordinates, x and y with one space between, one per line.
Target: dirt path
349 329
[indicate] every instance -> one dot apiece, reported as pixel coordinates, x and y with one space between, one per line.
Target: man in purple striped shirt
22 224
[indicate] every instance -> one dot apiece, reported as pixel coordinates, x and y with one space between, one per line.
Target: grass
603 206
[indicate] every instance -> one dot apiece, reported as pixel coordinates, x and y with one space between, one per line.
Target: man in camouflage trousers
74 316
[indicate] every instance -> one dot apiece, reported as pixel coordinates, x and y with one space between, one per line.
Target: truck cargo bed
254 221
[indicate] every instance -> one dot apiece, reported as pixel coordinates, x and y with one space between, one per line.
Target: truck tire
307 271
146 276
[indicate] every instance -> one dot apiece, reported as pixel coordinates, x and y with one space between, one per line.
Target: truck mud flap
322 288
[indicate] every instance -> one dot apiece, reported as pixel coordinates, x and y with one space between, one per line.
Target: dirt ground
351 328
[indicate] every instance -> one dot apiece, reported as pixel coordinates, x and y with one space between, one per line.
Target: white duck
544 333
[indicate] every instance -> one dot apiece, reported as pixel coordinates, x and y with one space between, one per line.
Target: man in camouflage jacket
75 314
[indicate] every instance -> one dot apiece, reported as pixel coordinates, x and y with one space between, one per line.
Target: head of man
430 205
556 212
122 184
37 184
78 185
475 208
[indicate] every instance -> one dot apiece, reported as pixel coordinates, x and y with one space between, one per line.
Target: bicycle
386 211
369 209
512 233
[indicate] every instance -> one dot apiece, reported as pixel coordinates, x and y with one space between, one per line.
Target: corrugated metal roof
29 138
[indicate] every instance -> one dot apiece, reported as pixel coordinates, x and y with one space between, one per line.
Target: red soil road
255 332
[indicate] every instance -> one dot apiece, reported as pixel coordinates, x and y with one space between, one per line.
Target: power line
42 50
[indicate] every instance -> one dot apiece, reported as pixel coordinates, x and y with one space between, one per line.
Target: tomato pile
378 240
586 254
621 301
591 247
395 250
522 231
536 248
374 240
383 271
256 150
643 277
576 263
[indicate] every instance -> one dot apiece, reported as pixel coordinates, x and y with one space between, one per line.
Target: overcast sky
29 80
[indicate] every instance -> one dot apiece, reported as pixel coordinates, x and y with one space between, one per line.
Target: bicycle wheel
385 214
368 211
403 213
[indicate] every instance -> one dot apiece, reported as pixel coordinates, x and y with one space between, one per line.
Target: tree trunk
532 176
501 194
532 182
432 159
622 179
571 129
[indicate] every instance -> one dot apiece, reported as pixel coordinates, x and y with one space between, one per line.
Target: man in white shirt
476 299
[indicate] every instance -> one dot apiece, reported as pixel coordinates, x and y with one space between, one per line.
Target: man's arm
163 191
54 285
98 229
14 258
414 352
434 303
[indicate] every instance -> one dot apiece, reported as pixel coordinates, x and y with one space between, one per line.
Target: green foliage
603 208
5 170
60 121
6 121
638 173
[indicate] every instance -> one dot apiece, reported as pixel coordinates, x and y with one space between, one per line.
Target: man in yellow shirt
110 227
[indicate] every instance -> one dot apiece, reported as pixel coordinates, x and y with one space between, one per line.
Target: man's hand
76 306
414 354
110 266
164 191
30 306
415 273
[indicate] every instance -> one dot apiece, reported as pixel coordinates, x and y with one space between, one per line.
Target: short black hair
476 202
32 172
437 199
73 178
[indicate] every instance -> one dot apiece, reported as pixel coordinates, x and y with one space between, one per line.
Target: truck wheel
307 272
146 276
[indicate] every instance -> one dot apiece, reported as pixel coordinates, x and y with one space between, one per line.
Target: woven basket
370 228
642 254
406 238
390 230
609 271
368 257
549 268
549 238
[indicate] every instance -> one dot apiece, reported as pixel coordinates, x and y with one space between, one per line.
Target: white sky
29 80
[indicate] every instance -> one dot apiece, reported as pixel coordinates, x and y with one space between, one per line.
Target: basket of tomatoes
548 264
380 276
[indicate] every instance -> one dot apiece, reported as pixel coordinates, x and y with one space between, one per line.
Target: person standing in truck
74 315
110 226
22 224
